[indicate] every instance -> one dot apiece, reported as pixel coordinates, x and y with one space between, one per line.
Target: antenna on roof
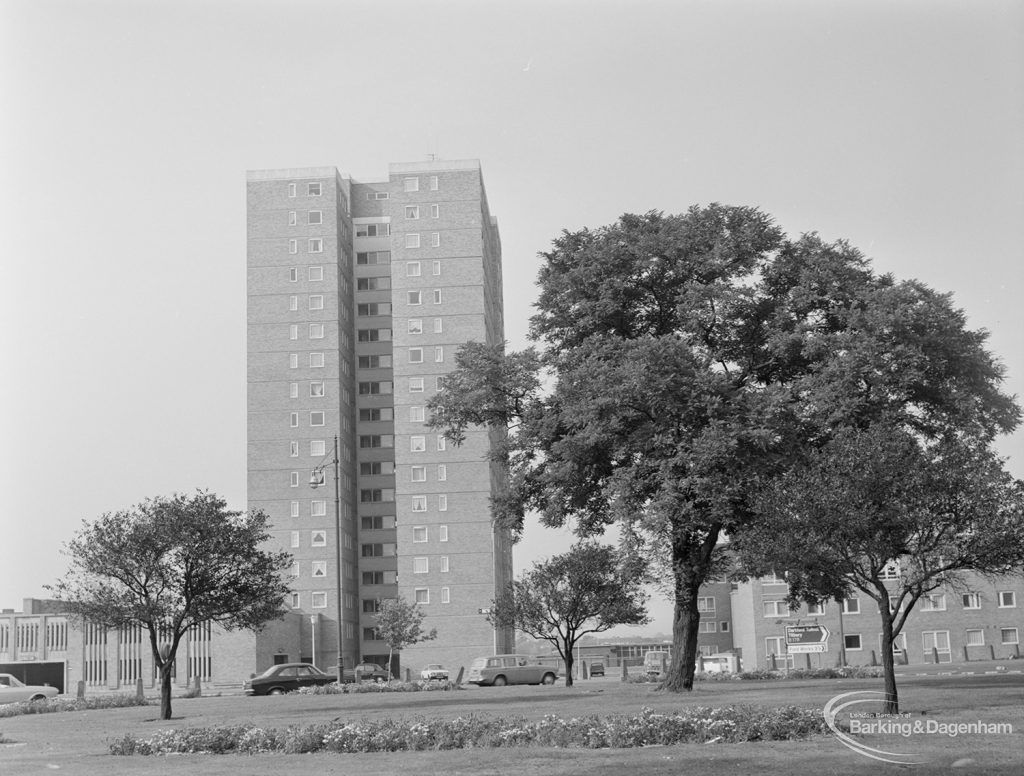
432 157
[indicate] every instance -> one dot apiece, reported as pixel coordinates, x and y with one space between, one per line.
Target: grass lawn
77 742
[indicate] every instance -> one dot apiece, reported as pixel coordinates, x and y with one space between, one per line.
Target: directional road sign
806 638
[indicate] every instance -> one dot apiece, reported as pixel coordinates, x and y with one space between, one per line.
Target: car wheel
548 679
500 681
276 691
37 698
379 679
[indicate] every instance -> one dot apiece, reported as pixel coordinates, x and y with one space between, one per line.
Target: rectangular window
971 601
319 600
419 474
293 247
445 595
368 258
380 283
416 414
1007 599
708 626
442 442
295 538
374 387
419 533
295 509
1008 636
437 296
417 444
371 414
293 449
293 360
412 269
444 564
439 355
852 641
436 267
316 477
435 239
415 355
705 604
295 600
816 608
367 441
315 273
315 217
293 331
291 189
411 184
419 504
294 479
366 309
318 508
414 297
371 605
371 550
933 602
375 468
422 595
435 211
293 419
319 569
442 506
373 230
316 331
317 448
724 626
975 638
293 274
851 606
316 389
293 303
442 472
316 360
420 566
415 325
373 577
412 240
412 211
313 189
437 325
415 385
433 183
775 608
316 302
316 245
775 645
293 390
373 335
318 538
374 362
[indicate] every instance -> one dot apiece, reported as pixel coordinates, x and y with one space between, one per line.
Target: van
499 670
655 661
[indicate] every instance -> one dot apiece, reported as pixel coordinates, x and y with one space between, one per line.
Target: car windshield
11 681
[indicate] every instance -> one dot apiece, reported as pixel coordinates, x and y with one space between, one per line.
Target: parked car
434 671
12 690
286 677
366 672
655 660
597 668
499 670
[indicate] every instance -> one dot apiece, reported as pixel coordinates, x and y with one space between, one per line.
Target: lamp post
315 480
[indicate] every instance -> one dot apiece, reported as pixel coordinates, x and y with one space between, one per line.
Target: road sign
802 649
806 636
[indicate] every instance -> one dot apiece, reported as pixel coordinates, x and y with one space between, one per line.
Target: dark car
597 668
366 672
285 678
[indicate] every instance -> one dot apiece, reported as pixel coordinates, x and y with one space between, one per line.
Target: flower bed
376 687
692 725
52 705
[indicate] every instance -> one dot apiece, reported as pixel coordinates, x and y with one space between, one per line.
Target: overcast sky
127 128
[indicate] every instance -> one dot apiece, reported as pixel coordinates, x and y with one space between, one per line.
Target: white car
434 671
14 691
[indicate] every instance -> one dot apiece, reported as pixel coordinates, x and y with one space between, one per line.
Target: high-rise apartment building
359 294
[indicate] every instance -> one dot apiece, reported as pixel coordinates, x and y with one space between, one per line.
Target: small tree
876 512
400 624
171 564
560 600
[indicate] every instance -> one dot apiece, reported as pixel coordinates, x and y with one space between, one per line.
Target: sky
127 128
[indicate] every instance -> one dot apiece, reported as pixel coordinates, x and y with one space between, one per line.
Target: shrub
53 705
373 687
692 725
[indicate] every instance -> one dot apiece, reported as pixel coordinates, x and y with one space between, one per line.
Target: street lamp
316 479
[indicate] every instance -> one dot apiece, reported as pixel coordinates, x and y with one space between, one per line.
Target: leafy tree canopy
400 625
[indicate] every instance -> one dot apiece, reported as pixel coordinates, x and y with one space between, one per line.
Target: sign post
803 639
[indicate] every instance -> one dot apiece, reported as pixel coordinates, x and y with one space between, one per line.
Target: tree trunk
569 662
685 622
892 703
165 689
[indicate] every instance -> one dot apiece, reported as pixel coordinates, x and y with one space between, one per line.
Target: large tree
686 360
399 623
171 564
588 589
